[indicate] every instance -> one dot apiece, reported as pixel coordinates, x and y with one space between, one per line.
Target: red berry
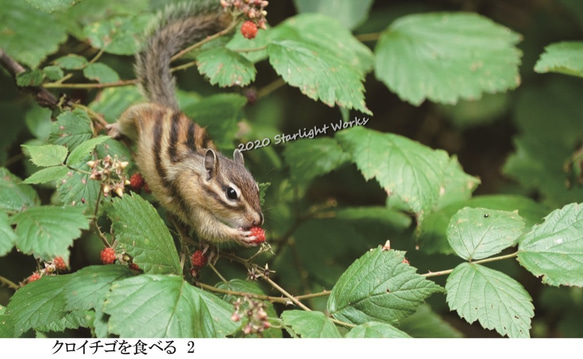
108 255
198 259
137 182
59 263
259 233
34 276
249 29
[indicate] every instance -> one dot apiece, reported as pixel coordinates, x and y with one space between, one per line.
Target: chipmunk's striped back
216 195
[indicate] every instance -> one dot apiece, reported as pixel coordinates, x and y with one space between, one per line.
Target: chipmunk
213 194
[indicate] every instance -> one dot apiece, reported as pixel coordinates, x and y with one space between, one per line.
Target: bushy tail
176 28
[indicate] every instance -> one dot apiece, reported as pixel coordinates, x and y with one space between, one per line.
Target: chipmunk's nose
259 220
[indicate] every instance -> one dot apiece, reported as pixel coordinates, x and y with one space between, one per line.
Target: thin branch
119 83
285 293
481 261
41 95
10 284
369 37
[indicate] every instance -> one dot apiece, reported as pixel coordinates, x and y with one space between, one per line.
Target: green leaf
7 236
325 33
309 324
38 121
42 231
477 233
563 57
308 67
414 173
225 67
30 78
485 111
47 155
432 231
29 35
39 303
165 307
14 195
100 72
491 297
305 166
118 35
71 62
48 174
52 5
53 73
447 56
554 248
78 189
142 234
349 14
71 129
89 286
84 150
379 287
376 330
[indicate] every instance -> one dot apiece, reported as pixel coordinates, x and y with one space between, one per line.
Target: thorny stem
218 273
9 283
119 83
94 221
285 293
369 37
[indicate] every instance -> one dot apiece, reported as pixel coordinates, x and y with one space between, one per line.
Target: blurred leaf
53 73
456 184
432 232
100 72
225 67
48 174
309 324
554 248
165 306
28 34
52 5
425 323
142 234
71 62
379 287
47 155
118 35
491 297
376 330
466 114
30 78
538 163
41 232
219 114
412 172
14 195
308 159
112 102
71 129
477 233
563 57
7 236
88 286
38 122
444 57
374 214
349 14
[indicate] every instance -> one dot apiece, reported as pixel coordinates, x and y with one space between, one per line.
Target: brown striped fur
215 195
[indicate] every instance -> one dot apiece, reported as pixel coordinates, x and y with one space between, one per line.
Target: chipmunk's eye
231 193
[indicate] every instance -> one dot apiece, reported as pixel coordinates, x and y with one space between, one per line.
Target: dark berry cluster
253 314
111 172
58 264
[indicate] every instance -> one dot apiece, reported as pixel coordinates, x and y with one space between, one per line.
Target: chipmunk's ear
238 157
211 164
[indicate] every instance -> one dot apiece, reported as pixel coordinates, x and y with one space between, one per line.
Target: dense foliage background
458 137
